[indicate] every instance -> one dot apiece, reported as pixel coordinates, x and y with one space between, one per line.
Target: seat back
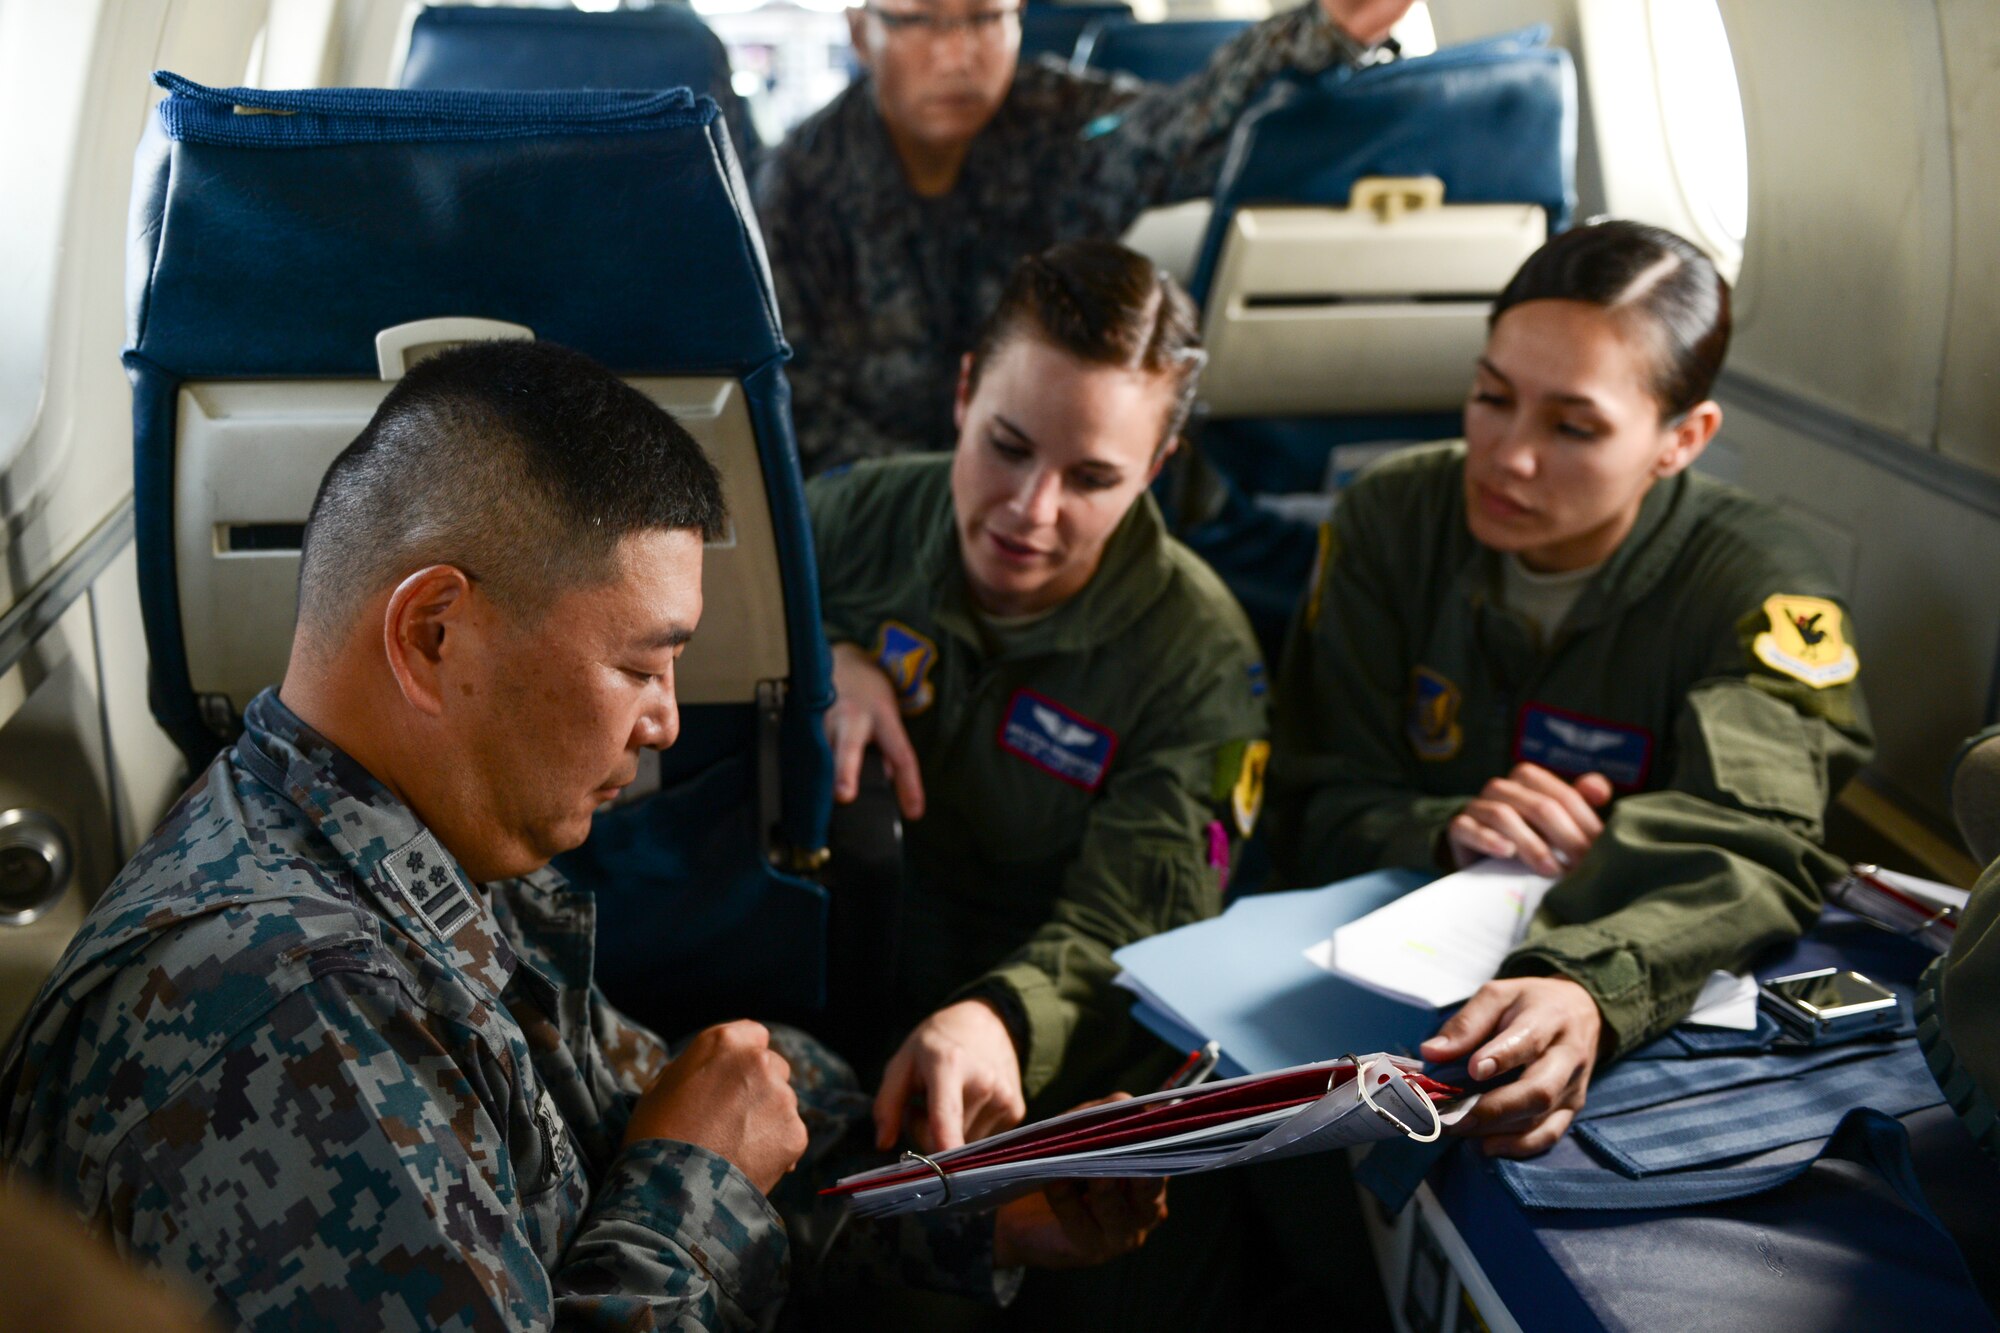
1049 29
500 48
1156 52
292 251
1363 222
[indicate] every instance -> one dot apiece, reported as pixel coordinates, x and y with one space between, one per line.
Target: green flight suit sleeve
1346 796
1722 863
1144 867
1958 1015
1167 142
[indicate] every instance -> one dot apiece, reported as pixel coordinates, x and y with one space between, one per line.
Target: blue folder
1243 979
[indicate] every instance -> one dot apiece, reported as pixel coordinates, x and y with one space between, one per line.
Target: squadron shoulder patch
907 657
1805 641
1433 719
1246 797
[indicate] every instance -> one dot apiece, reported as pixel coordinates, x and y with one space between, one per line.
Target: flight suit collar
1666 516
413 881
1135 570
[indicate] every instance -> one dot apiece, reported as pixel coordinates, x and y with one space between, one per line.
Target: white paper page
1438 945
1925 890
1727 1000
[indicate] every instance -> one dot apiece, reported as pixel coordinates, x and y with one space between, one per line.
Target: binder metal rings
944 1177
1368 1098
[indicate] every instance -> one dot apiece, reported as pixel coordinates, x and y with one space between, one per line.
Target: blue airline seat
504 48
283 265
1494 122
1049 29
1156 52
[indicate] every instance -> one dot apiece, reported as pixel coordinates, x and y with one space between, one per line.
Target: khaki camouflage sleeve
808 260
1725 862
334 1164
1345 791
1149 863
1167 142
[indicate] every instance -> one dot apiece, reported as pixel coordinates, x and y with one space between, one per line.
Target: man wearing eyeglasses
894 214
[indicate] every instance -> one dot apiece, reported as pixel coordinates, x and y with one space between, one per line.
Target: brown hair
1651 272
1104 305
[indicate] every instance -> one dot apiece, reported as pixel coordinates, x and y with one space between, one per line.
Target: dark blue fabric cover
1495 120
480 46
1157 52
1052 29
277 245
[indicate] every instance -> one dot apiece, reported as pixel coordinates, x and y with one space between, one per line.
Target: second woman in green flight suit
1556 643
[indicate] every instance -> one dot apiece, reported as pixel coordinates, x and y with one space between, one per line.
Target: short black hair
1648 270
523 463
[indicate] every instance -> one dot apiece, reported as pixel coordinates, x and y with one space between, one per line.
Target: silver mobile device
1829 1005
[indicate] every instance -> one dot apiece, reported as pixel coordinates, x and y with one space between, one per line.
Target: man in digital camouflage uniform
894 215
329 1051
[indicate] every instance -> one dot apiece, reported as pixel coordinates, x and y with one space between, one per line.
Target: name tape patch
1570 743
1061 743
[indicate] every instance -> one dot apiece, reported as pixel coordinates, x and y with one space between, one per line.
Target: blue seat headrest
1494 119
281 230
1158 52
505 47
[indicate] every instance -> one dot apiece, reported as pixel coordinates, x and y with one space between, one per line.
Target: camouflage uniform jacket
882 290
294 1058
1680 674
1084 775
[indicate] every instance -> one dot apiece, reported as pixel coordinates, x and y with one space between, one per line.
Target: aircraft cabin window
791 57
1701 109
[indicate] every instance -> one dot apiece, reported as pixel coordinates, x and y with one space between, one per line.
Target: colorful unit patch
1246 796
907 657
1057 741
1805 642
1572 744
1433 721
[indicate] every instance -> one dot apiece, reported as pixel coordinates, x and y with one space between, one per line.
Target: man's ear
422 625
857 32
1688 437
962 396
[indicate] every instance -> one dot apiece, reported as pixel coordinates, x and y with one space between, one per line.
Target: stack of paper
1309 1108
1439 944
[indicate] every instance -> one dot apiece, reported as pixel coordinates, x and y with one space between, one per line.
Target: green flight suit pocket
1761 753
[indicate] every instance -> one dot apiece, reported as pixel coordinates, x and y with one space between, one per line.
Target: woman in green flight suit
1554 642
1068 702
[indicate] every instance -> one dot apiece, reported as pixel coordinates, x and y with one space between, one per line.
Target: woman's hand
864 713
1548 1026
961 1066
1531 816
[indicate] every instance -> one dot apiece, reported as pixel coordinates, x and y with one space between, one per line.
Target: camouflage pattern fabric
881 290
294 1058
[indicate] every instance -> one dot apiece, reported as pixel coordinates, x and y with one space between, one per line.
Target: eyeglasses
982 25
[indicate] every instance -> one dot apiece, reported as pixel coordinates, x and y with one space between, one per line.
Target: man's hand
730 1093
1533 816
1366 21
1548 1024
864 713
1077 1223
961 1066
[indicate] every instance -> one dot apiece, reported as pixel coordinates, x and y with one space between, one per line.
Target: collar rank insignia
1805 641
1061 743
907 657
1433 720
